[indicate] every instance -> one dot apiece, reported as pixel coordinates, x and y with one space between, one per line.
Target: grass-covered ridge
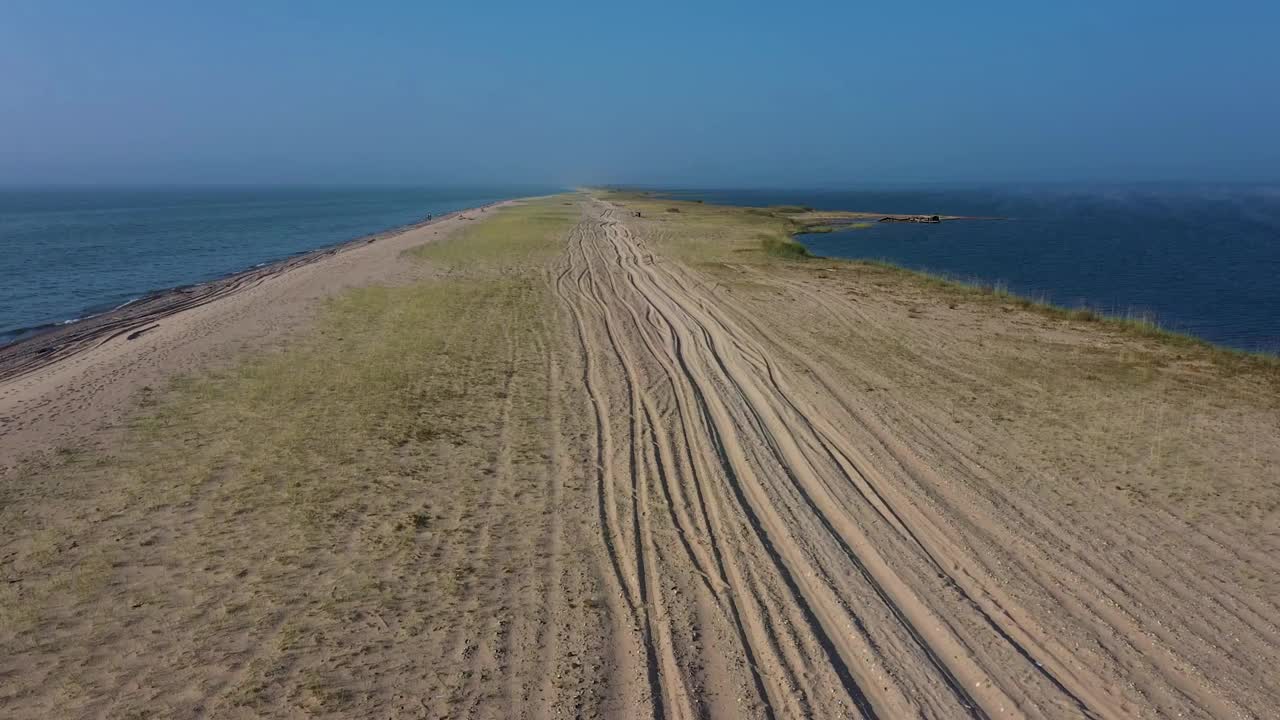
287 499
508 239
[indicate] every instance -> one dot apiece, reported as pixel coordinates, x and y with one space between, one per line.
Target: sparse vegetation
444 497
241 487
713 233
508 240
1131 322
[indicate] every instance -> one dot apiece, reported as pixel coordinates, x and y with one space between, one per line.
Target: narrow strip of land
581 462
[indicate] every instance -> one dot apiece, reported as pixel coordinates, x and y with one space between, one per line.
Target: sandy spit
708 484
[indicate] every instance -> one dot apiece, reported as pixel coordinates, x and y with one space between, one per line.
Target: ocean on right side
1203 260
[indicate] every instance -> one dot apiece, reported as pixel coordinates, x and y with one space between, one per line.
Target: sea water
1203 260
67 253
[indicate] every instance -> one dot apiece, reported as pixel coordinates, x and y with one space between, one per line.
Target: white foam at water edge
124 304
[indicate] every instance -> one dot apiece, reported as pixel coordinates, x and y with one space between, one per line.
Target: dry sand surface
688 480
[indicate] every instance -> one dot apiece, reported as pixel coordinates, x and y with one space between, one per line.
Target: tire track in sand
755 488
792 609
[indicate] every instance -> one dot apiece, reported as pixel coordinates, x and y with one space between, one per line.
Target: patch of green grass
785 248
295 450
305 430
504 239
386 367
807 228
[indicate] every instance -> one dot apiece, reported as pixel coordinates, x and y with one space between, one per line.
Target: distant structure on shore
912 219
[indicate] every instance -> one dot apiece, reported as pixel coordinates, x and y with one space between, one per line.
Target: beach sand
65 387
600 465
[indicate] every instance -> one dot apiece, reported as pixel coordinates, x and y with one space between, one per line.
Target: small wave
13 335
8 337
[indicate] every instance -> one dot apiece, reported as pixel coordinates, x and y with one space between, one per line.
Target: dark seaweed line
58 342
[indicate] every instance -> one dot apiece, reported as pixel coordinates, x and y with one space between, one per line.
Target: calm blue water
1203 260
68 253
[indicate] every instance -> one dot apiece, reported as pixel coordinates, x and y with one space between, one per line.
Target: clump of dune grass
785 248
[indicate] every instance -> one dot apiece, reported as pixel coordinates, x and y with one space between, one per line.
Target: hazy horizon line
642 186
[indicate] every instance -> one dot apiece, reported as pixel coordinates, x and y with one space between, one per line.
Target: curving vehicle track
628 481
762 562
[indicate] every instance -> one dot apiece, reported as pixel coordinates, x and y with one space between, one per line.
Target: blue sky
712 93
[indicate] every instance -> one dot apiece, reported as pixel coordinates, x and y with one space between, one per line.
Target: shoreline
43 345
1133 322
801 221
76 386
430 433
804 214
